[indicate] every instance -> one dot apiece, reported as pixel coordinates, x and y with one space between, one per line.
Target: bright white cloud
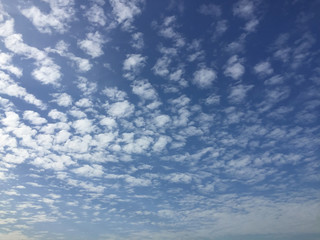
34 117
61 14
144 89
63 99
89 171
93 44
10 88
204 77
121 109
83 126
263 68
134 62
234 68
238 93
95 15
125 11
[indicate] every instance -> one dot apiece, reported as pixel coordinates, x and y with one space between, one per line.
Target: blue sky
136 119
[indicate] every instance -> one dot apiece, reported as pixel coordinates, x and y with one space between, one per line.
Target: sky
141 119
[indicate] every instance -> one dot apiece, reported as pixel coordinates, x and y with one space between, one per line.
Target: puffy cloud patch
61 14
121 109
204 77
234 68
93 44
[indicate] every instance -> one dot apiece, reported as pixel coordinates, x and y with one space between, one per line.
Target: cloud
47 72
133 64
161 66
95 15
34 117
93 44
83 126
161 143
6 64
87 87
234 68
125 11
57 115
114 94
10 88
121 109
244 8
88 171
62 13
211 10
168 30
238 93
137 40
144 89
61 48
263 68
62 99
204 77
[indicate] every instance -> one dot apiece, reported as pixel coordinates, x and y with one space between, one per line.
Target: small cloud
34 117
263 68
238 93
234 68
93 44
121 109
204 77
95 15
210 10
62 99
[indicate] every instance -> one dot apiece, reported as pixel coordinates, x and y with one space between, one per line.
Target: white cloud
93 44
179 178
6 64
54 162
161 143
238 93
34 117
134 62
144 89
263 68
11 119
62 136
7 28
133 181
83 126
161 120
234 68
61 14
126 10
204 77
96 15
94 170
108 122
121 109
115 94
168 30
244 8
86 86
56 115
63 99
61 48
211 10
10 88
212 100
161 66
47 72
84 102
274 80
137 40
